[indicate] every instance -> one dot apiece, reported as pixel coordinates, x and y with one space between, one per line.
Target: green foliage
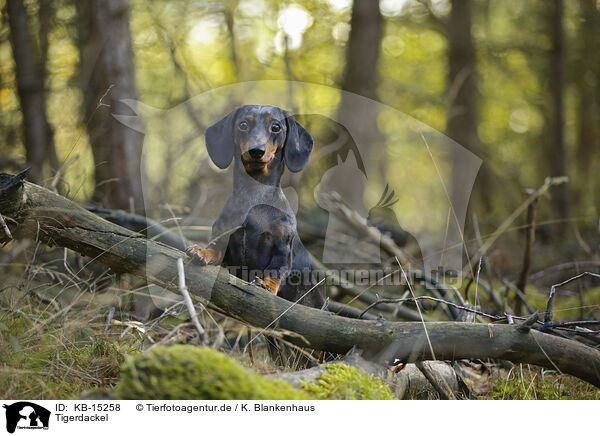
182 372
343 382
185 48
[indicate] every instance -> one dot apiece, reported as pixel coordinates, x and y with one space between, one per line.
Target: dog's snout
256 153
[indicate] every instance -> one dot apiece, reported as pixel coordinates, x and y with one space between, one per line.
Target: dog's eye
243 125
275 127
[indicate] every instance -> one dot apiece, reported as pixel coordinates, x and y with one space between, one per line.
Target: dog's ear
298 145
219 141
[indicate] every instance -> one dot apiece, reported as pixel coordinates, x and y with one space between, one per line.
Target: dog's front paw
271 284
204 256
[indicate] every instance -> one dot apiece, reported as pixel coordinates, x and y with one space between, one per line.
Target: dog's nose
256 153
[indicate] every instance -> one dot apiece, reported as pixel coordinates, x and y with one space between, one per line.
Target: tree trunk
39 137
462 119
557 154
106 78
46 21
587 82
360 77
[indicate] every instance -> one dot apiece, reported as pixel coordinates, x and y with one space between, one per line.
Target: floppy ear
298 145
219 141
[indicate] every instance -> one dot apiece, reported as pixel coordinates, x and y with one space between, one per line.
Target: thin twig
526 325
418 308
564 266
188 301
60 171
427 297
548 317
250 349
575 323
166 312
530 238
518 294
109 318
477 282
449 199
438 382
5 227
172 333
548 183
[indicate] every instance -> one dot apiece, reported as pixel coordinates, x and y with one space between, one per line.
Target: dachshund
256 229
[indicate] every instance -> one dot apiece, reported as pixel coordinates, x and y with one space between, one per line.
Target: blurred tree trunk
107 77
46 13
46 22
588 85
361 77
363 49
38 134
557 154
462 112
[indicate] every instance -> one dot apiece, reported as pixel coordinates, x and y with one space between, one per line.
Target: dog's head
256 135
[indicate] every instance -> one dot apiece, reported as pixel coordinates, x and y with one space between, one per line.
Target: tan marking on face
244 147
270 150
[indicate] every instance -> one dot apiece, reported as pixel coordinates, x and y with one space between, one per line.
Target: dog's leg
205 256
214 251
271 284
279 265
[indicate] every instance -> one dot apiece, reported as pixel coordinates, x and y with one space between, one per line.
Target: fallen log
31 211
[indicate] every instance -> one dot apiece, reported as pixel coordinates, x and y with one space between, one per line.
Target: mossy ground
188 372
343 382
526 382
183 372
53 349
43 356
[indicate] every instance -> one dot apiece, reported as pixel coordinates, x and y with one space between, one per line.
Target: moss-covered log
34 212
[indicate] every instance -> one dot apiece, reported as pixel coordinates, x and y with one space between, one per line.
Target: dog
256 229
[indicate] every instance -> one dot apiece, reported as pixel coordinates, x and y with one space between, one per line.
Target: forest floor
62 334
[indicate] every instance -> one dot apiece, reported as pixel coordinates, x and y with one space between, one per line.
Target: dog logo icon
26 415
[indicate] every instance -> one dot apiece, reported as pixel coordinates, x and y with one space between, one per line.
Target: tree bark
34 212
38 134
107 77
462 113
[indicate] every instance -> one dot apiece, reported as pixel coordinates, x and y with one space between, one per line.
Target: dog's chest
237 207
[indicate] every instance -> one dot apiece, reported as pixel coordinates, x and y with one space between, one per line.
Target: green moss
343 382
187 372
